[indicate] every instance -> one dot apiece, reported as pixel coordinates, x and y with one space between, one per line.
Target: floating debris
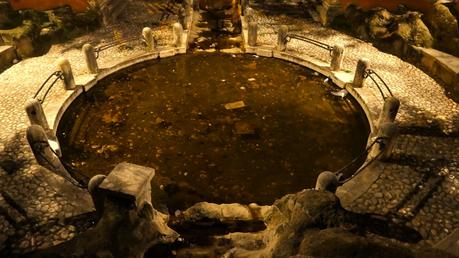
341 93
235 105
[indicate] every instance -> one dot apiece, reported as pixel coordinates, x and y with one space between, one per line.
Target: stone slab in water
131 182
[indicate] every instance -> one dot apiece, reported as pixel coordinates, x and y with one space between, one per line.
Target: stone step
11 211
417 199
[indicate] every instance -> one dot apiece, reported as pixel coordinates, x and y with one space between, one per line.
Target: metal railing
115 43
369 73
339 173
310 41
58 75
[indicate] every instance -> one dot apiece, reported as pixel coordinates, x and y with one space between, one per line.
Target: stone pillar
389 111
253 30
244 4
178 34
147 35
327 181
90 58
36 114
388 134
362 67
97 196
337 58
66 69
182 17
249 14
282 38
36 136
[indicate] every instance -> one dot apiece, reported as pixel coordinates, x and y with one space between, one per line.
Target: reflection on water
217 127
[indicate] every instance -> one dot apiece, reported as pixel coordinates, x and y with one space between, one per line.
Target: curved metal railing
58 75
310 41
115 43
369 73
339 172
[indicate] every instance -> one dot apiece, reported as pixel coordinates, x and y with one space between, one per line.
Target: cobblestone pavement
35 204
420 184
33 196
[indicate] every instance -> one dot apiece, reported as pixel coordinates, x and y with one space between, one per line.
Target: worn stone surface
131 182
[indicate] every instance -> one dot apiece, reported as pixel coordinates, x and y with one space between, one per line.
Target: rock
382 24
8 16
413 30
442 22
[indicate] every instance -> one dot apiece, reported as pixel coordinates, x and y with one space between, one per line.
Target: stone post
388 134
36 136
249 14
196 5
182 17
66 69
97 196
327 181
90 58
252 38
389 111
282 38
337 58
178 33
362 67
243 7
36 115
147 35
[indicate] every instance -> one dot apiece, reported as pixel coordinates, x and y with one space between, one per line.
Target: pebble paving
417 156
428 146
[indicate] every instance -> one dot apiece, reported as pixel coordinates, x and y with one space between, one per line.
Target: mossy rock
22 38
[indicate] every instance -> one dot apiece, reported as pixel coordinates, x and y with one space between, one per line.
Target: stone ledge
441 64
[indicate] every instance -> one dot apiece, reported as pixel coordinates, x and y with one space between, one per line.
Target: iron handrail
309 40
338 173
369 73
58 75
97 50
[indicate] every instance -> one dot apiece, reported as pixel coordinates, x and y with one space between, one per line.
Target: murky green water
170 114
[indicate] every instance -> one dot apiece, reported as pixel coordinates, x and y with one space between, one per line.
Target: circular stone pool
218 128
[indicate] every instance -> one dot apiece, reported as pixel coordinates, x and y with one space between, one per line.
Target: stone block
129 182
